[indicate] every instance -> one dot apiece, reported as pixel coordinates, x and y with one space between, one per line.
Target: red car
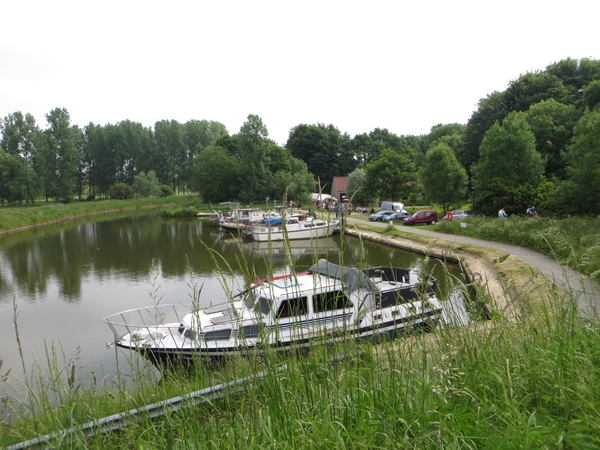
427 216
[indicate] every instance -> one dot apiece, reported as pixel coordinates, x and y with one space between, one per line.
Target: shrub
120 191
166 190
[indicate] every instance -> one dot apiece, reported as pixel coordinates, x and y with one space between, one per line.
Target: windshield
261 305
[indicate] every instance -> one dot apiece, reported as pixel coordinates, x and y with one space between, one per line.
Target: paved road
586 291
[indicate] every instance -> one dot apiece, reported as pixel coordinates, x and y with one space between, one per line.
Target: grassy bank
14 217
574 242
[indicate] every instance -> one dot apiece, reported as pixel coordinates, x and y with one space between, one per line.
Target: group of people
531 212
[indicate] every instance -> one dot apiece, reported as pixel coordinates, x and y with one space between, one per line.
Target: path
585 291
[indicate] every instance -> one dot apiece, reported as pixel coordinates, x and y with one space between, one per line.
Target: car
378 217
459 214
427 216
398 215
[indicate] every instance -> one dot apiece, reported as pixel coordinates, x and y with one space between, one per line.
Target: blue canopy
272 221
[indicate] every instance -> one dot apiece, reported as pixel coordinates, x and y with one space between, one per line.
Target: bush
166 190
121 191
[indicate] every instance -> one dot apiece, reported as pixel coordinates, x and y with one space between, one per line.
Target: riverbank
14 219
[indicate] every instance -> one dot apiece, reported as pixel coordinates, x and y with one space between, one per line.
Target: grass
531 382
574 242
14 217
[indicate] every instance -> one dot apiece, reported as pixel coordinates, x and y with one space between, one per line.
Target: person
502 214
531 212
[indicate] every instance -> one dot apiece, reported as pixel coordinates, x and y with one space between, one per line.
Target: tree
20 136
170 157
509 168
254 173
552 124
591 95
355 188
215 175
326 152
60 155
583 166
489 111
388 177
147 185
445 181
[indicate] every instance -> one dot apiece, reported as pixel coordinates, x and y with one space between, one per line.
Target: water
63 280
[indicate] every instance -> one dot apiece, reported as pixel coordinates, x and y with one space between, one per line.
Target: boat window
328 301
263 305
218 335
292 307
190 334
251 331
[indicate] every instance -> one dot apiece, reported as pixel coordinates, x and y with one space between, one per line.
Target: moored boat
241 219
324 304
291 228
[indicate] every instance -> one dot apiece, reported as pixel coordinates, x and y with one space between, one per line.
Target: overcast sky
400 65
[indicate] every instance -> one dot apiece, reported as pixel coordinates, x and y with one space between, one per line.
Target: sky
401 65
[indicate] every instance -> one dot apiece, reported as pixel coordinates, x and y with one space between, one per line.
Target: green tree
170 156
591 95
198 135
254 173
147 185
354 189
552 124
16 178
489 111
60 155
20 136
326 152
583 166
509 169
444 180
215 174
389 176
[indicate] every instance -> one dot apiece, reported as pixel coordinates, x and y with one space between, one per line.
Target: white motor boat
326 303
291 228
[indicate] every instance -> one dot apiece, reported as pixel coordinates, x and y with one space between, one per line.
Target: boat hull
172 357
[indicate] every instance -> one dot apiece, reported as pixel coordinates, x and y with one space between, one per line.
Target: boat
240 219
291 228
327 303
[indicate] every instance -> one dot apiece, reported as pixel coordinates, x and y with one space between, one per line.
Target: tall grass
574 242
495 384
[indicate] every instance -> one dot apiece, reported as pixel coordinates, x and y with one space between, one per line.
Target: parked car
459 214
398 215
427 216
378 217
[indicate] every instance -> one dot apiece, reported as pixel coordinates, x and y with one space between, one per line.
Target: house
338 188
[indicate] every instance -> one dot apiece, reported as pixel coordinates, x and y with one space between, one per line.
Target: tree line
534 143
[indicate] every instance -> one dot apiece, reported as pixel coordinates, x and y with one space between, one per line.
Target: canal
57 284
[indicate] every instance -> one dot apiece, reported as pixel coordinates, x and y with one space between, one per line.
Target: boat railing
146 318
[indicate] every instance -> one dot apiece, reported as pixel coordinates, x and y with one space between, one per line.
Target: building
338 188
